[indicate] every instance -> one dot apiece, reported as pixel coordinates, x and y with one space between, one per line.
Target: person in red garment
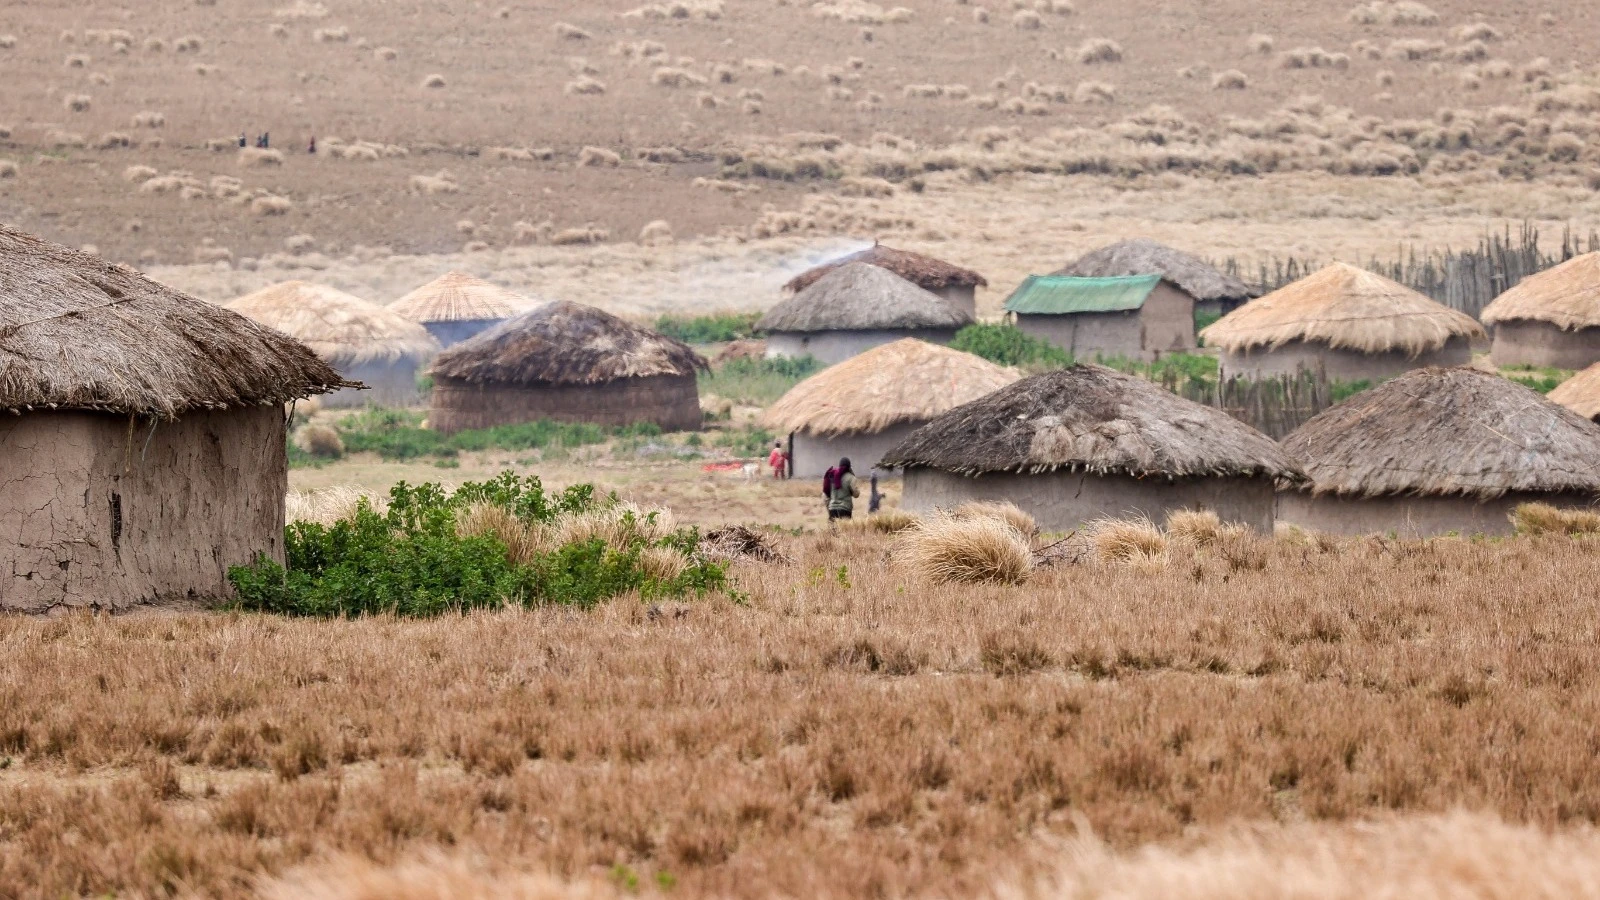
779 461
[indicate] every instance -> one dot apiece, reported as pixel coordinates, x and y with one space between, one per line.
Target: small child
778 460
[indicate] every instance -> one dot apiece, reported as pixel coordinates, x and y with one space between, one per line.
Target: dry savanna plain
1196 714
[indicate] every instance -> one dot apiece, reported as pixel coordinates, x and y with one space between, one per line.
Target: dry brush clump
980 546
1542 518
1099 50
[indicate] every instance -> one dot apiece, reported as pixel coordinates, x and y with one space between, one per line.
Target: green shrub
747 441
411 560
708 329
396 434
1205 318
758 382
1543 379
1009 345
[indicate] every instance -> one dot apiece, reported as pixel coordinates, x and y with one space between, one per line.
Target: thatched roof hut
1211 288
456 306
363 341
956 285
1346 323
853 308
1549 319
143 433
567 362
1439 450
1580 393
870 402
1084 442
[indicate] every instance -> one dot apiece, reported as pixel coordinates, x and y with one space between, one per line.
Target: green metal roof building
1136 316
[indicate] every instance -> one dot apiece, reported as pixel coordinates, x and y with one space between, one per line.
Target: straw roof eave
1142 256
862 297
1447 433
892 384
565 343
78 333
1566 296
459 297
341 328
924 271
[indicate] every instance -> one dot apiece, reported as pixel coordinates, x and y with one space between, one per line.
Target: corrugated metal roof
1065 294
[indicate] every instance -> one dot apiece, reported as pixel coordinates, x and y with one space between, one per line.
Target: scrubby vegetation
711 329
757 382
397 434
1009 345
489 544
1542 379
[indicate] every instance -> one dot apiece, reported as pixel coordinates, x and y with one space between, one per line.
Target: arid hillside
448 126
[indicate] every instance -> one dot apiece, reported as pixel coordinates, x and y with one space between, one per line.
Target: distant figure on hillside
778 460
312 148
839 486
241 139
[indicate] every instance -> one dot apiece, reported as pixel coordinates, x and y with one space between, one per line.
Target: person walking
778 460
842 490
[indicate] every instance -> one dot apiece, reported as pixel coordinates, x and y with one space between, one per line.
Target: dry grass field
849 729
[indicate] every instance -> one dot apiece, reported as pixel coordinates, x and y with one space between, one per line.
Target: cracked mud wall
95 515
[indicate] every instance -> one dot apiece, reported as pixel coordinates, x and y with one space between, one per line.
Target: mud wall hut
865 405
1439 451
569 363
1344 323
956 285
1088 442
1549 319
1137 317
1215 293
363 341
854 308
456 306
142 434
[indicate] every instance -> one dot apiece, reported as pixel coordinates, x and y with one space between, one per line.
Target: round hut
1549 319
571 363
142 433
870 402
1580 393
1437 451
365 342
956 285
853 308
1212 292
1345 324
1088 442
456 306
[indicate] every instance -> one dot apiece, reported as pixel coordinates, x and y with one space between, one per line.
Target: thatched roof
904 381
1142 256
343 329
922 271
1091 419
1580 393
1345 308
459 297
77 332
862 296
565 343
1567 296
1457 431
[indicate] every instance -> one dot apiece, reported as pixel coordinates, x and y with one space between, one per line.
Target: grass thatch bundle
77 332
459 297
1200 527
1127 541
945 549
1345 308
1580 393
1542 518
1567 296
1088 418
341 328
566 343
330 505
923 271
1448 432
904 381
889 521
1004 510
1142 256
861 296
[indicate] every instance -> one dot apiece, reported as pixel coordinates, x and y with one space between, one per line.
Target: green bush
1009 345
758 382
411 560
1205 318
396 434
747 441
708 329
1543 379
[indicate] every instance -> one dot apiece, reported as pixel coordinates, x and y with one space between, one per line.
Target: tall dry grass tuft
618 527
330 505
431 876
1004 510
946 550
321 441
1121 541
1542 518
524 542
1200 527
889 521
